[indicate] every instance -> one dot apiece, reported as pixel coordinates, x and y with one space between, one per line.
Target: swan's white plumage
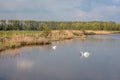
54 47
85 54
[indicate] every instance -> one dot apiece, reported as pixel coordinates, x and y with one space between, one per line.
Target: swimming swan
85 54
54 47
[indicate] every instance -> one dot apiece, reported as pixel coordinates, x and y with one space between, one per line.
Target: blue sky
61 10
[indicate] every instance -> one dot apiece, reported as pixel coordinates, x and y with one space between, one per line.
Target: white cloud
60 9
101 13
23 64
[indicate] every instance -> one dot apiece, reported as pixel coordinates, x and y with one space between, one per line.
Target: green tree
3 24
46 30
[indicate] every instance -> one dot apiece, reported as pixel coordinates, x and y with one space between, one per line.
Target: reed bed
14 39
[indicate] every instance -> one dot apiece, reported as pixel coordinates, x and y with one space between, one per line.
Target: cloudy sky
67 10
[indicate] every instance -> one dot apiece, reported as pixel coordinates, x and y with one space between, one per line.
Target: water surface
64 63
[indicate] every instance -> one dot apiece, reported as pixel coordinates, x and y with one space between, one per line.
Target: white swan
54 47
85 54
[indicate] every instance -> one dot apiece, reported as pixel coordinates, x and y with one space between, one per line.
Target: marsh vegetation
17 33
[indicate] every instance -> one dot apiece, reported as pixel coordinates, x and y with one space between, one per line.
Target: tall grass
13 39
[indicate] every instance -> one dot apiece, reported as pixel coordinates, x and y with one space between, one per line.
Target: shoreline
98 32
20 40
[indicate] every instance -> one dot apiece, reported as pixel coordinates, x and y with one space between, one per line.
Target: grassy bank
13 39
101 32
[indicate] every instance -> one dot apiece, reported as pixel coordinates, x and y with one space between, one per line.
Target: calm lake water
65 62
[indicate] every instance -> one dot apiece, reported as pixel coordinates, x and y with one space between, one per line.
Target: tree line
61 25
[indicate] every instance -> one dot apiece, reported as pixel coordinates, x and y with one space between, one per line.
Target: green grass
11 33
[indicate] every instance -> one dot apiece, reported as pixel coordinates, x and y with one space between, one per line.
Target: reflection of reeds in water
100 38
69 41
27 49
10 53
